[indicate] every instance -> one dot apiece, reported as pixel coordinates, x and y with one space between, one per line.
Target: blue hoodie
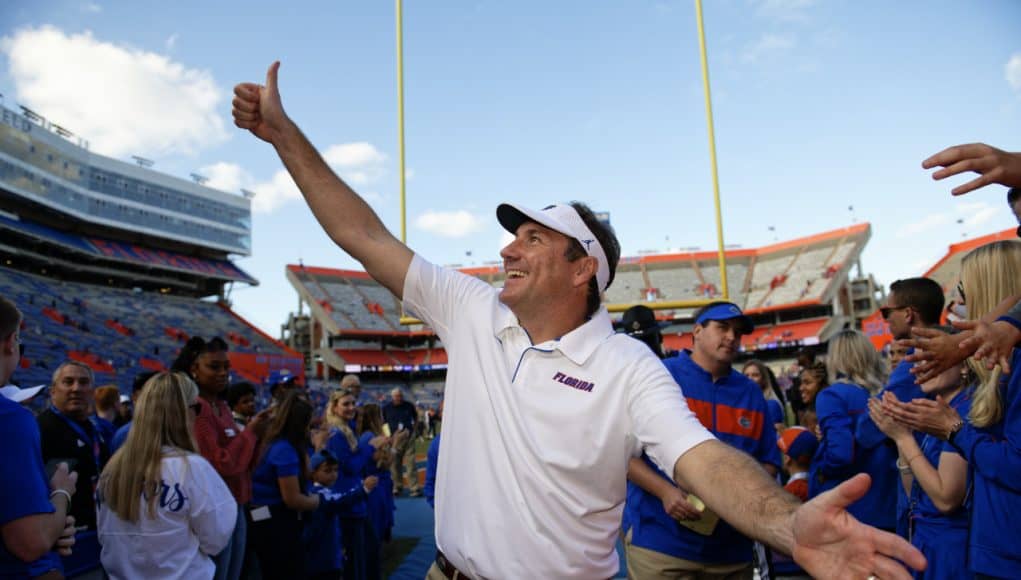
351 468
321 535
994 455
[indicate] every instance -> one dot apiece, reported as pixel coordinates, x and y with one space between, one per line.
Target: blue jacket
734 409
321 535
902 385
840 407
351 468
994 456
433 460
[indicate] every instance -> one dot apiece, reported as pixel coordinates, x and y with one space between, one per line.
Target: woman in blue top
776 403
988 436
278 491
856 372
353 457
935 477
381 500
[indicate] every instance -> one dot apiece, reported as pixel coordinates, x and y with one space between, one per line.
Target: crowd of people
560 433
196 483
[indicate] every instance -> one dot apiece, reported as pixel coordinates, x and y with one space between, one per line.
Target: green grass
395 552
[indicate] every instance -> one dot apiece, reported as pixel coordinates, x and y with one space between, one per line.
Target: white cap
562 218
19 395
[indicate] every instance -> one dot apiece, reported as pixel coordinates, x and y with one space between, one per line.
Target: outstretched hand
258 107
991 342
993 166
830 543
935 351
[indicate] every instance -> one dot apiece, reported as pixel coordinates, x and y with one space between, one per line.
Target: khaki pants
643 564
404 452
435 573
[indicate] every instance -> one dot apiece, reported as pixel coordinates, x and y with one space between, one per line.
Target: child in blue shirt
323 546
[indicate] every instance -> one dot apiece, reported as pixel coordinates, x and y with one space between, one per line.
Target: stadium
116 265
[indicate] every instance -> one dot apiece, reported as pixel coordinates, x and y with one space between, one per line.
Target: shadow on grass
395 552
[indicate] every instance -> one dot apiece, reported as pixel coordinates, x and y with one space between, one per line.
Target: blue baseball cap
798 443
726 311
279 377
319 458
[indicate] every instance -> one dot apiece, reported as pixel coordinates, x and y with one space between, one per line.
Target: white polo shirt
536 440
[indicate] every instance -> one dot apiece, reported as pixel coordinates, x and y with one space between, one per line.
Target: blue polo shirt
24 490
734 409
280 460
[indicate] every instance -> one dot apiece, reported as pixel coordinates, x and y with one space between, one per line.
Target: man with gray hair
68 435
401 415
354 384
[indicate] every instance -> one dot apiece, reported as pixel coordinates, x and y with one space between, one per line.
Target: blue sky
818 106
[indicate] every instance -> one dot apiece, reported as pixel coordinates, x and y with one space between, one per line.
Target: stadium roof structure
801 272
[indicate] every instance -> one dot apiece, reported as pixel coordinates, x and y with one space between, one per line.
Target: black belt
448 569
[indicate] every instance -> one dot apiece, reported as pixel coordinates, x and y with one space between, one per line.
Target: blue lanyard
93 439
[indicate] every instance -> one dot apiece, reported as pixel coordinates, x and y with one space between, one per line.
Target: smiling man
732 407
545 404
68 435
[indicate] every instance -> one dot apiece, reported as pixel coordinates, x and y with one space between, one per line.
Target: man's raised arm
823 538
345 216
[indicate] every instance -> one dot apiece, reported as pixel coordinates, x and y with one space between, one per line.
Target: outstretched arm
993 166
346 217
823 538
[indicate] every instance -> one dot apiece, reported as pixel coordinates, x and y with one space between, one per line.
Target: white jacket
195 517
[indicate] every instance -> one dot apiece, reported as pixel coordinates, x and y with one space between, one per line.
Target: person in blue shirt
936 478
912 302
136 390
856 372
323 545
279 485
734 409
988 437
33 513
432 463
353 455
381 505
762 375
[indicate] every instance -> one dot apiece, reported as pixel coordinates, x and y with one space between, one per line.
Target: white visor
560 218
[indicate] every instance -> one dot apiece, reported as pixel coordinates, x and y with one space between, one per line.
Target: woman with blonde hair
989 436
163 509
353 455
856 371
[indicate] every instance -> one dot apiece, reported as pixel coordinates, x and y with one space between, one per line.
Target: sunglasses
886 310
960 291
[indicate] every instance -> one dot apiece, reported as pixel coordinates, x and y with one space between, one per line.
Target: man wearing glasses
912 302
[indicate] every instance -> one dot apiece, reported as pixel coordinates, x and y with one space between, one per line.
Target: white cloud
358 163
970 214
171 41
767 47
225 176
1012 71
122 100
977 213
928 222
91 7
450 224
